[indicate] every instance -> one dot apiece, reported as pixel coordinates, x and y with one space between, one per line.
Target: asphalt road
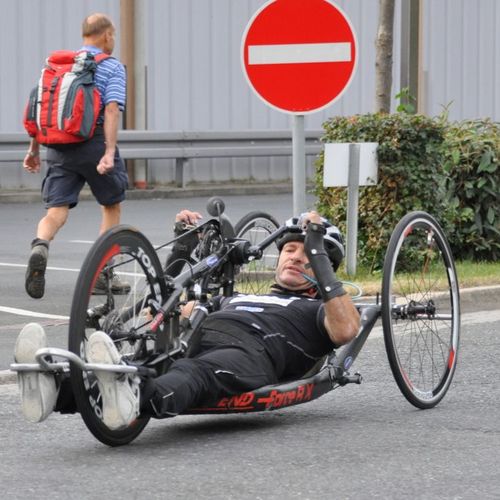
359 442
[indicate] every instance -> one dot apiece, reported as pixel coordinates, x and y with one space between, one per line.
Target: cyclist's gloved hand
182 248
329 285
186 220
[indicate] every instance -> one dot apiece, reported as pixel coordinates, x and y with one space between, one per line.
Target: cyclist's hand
309 217
188 217
186 220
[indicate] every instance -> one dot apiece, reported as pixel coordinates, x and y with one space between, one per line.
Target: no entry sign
299 56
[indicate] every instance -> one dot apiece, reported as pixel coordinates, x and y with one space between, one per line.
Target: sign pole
352 209
298 165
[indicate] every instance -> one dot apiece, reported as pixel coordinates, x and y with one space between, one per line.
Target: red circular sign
299 56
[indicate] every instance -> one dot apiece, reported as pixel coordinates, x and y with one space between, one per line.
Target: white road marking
299 53
31 314
134 275
7 264
90 242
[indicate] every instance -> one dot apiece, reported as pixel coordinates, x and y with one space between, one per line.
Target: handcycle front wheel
119 280
255 277
420 309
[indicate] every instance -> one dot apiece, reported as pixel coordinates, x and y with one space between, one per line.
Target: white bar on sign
299 53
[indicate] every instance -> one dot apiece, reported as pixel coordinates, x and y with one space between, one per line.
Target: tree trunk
383 63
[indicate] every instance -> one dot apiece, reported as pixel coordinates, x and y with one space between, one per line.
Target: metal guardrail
183 146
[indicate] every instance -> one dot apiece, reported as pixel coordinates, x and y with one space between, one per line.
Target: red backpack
63 108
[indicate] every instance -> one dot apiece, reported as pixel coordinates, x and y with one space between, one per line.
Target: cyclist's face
293 264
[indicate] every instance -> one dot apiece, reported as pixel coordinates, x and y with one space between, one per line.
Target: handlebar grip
254 251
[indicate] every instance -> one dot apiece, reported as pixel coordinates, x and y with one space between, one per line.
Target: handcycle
419 306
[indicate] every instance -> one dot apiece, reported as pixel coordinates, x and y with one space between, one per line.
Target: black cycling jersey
290 327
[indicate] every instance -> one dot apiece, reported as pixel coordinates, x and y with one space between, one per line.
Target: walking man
95 161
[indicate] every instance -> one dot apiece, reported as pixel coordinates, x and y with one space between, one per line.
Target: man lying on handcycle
248 341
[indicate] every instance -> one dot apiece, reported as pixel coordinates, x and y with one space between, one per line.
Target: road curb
202 190
484 298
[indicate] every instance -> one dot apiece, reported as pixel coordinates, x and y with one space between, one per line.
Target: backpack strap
100 57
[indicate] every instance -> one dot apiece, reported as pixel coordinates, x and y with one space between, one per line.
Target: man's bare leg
48 227
110 217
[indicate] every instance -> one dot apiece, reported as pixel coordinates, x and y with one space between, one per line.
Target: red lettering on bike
300 392
309 392
277 399
239 401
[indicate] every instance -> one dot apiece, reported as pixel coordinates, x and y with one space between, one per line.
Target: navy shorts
71 166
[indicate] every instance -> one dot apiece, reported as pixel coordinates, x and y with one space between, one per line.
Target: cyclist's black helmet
334 243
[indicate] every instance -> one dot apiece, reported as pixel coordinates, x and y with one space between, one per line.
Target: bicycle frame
332 373
420 320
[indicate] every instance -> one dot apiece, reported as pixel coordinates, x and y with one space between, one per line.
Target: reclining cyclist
249 341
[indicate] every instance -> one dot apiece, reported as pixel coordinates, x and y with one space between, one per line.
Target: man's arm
341 317
111 122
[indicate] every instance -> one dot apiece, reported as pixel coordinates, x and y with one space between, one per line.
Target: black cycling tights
227 363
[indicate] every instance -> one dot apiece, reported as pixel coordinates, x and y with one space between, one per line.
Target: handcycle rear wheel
257 276
420 309
123 313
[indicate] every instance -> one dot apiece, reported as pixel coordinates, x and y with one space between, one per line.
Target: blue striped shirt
110 79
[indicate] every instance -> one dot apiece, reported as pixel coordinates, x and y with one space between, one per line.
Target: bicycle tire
257 276
132 257
420 309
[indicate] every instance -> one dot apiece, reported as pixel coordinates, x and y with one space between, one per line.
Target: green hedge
424 164
471 163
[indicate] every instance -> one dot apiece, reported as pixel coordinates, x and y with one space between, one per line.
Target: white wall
195 82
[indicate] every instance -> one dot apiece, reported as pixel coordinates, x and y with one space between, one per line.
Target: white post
298 165
352 209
